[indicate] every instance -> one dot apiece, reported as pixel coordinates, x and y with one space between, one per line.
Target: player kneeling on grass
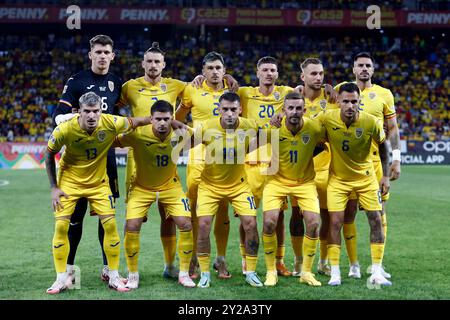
82 174
156 180
293 156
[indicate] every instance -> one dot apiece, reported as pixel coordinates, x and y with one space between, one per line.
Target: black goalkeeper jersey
107 86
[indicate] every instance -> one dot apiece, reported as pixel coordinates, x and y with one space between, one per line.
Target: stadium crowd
33 72
263 4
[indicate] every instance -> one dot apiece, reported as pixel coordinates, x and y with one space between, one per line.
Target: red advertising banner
222 16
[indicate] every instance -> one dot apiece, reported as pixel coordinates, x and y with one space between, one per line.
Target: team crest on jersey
101 136
359 132
372 95
305 138
241 137
323 104
173 142
276 95
111 86
163 87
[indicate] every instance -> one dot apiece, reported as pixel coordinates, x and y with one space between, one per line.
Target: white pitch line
4 183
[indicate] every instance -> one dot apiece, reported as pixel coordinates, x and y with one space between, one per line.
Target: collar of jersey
209 89
286 131
77 127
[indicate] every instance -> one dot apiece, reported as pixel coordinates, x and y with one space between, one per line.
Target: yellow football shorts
367 190
194 170
378 168
256 180
303 195
241 199
100 198
174 201
321 181
130 174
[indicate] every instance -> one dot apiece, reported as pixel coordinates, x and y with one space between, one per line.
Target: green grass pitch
417 248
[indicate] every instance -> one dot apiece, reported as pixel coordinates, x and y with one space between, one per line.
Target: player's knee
133 225
204 224
249 225
335 222
313 225
269 226
185 225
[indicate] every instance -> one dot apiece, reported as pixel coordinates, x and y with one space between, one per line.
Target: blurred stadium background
38 53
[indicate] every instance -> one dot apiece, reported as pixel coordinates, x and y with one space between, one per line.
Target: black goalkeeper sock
76 228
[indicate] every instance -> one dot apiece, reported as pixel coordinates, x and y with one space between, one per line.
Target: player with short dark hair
97 79
351 134
87 137
203 104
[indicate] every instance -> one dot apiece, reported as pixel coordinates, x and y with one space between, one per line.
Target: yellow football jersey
203 102
140 94
259 107
322 160
84 159
295 153
350 147
379 102
225 152
155 168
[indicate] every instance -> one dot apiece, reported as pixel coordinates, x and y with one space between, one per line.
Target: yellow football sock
334 254
384 223
170 247
242 250
194 221
309 248
281 249
297 245
111 242
323 249
60 244
204 261
132 247
377 252
185 249
251 263
222 229
270 245
351 242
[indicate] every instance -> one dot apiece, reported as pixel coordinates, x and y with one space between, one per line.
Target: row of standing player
267 96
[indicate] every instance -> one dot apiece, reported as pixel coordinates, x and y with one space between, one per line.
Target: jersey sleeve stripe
65 102
390 116
51 150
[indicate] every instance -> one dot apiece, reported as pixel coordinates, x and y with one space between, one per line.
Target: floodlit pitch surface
416 252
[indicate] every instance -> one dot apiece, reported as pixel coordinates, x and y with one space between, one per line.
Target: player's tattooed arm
394 139
181 112
384 157
330 93
50 166
276 119
231 82
55 192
